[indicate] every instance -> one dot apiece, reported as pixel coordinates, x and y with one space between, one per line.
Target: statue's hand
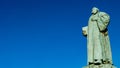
94 18
84 33
84 30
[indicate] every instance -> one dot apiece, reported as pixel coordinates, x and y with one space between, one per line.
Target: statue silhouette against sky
98 44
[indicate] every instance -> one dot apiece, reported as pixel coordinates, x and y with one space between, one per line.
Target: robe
98 40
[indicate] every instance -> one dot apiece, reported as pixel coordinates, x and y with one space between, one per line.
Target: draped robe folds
98 40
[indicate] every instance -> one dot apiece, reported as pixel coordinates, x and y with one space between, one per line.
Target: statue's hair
94 8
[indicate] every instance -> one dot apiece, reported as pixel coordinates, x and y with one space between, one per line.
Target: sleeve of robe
103 21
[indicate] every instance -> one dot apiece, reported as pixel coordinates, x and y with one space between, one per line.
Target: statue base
100 66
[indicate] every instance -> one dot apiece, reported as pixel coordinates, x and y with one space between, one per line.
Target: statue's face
95 10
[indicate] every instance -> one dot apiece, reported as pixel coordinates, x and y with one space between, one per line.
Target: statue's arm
85 30
103 21
105 18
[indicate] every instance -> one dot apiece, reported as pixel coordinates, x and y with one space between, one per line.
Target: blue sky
47 33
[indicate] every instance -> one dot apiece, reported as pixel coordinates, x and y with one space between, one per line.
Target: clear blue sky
47 33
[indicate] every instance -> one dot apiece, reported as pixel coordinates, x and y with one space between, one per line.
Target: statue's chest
93 23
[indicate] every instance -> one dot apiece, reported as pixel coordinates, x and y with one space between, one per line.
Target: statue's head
95 10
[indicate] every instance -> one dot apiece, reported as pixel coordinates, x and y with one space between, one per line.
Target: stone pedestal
100 66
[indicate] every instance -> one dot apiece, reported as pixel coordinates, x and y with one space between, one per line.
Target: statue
98 44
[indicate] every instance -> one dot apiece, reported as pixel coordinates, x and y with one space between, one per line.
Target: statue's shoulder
103 14
104 17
